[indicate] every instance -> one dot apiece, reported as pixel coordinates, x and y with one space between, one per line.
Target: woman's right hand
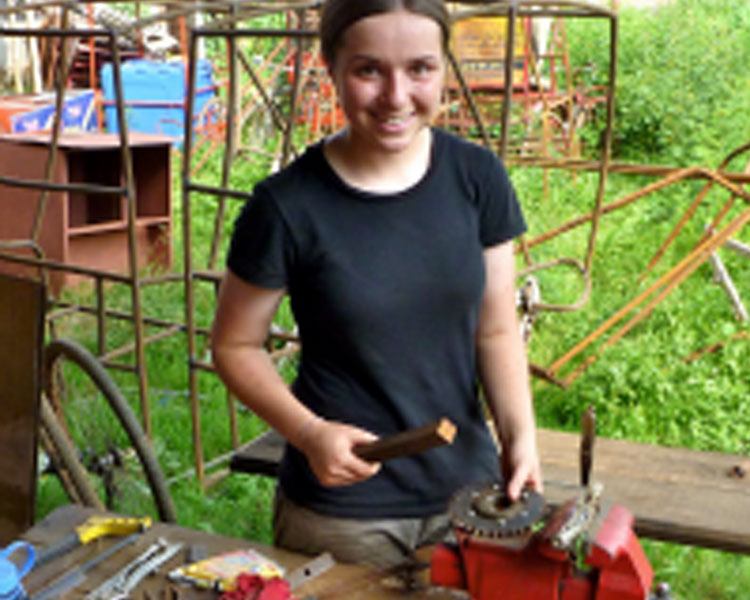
329 448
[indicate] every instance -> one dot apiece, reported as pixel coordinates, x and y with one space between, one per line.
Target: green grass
682 97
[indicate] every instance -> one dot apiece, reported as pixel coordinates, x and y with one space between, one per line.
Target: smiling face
388 73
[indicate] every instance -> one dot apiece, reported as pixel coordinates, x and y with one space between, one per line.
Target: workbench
352 582
677 495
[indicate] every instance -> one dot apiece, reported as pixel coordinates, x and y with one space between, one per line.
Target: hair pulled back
338 15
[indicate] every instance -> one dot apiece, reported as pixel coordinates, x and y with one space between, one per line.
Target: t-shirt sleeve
501 218
260 249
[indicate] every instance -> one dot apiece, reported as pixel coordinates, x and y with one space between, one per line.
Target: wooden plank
260 456
678 495
21 328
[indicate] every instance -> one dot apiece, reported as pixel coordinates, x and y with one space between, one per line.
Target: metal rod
510 40
188 261
127 165
209 189
604 168
52 186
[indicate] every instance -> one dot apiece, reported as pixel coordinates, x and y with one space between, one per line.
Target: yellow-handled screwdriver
93 528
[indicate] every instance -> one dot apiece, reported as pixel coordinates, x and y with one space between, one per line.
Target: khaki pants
380 543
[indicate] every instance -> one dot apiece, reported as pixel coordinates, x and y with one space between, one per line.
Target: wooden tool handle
408 442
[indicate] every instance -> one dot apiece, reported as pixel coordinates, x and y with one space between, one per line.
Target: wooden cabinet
88 229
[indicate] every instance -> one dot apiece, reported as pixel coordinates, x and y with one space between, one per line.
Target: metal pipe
127 165
188 260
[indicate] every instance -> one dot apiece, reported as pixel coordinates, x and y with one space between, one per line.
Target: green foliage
682 80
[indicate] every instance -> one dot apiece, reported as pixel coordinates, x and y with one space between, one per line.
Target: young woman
394 242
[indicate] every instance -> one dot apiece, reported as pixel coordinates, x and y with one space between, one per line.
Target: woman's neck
377 171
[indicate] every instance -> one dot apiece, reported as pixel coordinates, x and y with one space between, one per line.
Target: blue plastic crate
160 88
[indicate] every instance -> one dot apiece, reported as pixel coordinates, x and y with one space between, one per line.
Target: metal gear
485 510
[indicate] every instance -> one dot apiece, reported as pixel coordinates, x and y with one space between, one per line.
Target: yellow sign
478 44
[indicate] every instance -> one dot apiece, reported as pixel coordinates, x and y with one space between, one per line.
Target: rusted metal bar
740 335
545 8
510 47
614 167
267 101
672 177
127 348
187 188
230 149
293 33
545 374
63 309
607 156
209 189
694 206
258 85
588 437
294 96
664 280
49 168
58 266
666 284
52 186
101 321
572 262
127 164
129 368
469 97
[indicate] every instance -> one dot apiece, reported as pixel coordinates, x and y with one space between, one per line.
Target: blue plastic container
11 574
158 92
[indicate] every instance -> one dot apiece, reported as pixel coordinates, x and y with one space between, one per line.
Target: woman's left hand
520 466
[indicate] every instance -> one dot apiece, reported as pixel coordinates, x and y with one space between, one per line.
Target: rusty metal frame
191 274
226 28
646 301
133 279
228 17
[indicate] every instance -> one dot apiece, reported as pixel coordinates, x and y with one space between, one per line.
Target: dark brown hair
338 15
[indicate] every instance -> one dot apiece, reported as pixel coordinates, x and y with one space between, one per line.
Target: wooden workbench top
350 582
676 494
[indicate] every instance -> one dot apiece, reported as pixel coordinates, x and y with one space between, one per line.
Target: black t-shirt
385 290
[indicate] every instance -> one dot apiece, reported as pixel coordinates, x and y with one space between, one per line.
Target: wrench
120 585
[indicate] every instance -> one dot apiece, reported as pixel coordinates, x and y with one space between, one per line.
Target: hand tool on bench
91 529
121 584
310 570
77 576
413 441
588 435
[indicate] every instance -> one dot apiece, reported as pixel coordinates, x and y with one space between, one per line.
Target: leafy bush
682 80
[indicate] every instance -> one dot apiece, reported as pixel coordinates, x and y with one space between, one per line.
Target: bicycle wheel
118 459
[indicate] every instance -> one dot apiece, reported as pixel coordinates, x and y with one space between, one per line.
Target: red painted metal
615 568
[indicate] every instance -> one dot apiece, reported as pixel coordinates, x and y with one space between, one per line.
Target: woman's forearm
251 376
503 371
